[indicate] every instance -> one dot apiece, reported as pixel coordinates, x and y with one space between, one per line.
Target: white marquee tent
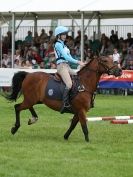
62 7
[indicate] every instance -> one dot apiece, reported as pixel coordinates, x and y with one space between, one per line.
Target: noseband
107 69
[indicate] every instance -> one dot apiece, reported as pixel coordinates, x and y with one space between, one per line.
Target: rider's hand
81 63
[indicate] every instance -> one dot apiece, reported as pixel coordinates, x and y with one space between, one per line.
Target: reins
100 62
97 70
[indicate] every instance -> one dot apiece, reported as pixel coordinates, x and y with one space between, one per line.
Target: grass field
39 150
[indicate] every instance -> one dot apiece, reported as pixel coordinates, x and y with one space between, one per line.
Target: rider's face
63 36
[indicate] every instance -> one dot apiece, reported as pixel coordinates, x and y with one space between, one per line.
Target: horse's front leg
74 122
83 122
17 123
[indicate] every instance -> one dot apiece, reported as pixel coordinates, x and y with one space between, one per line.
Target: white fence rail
6 75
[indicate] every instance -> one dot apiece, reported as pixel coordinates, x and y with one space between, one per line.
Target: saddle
56 86
75 81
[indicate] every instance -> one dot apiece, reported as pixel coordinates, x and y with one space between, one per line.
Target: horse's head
106 65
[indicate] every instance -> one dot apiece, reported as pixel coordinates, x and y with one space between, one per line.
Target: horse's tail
17 81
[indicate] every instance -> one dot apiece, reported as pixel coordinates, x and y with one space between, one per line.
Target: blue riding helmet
60 30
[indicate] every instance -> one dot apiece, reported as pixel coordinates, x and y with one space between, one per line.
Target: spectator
6 61
103 46
116 57
43 36
50 36
50 58
49 48
36 40
17 63
114 38
89 55
109 47
129 39
29 39
128 60
26 64
36 55
78 50
78 37
17 55
53 65
42 51
104 37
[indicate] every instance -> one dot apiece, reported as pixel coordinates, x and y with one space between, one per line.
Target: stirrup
81 88
67 105
65 108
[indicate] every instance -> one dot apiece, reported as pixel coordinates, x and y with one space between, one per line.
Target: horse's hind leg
17 123
72 126
34 116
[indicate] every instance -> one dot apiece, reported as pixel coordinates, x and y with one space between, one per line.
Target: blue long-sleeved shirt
62 51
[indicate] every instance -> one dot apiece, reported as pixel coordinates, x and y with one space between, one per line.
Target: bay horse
33 85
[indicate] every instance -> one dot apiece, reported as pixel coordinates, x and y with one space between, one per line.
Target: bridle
108 70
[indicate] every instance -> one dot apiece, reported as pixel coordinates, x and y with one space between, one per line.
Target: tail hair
17 81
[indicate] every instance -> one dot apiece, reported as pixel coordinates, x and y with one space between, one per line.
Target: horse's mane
86 65
102 57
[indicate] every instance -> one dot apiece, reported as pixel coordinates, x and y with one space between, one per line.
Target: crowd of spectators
37 51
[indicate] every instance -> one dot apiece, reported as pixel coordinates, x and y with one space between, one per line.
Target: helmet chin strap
59 37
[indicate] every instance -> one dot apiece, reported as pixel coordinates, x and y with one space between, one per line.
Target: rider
63 58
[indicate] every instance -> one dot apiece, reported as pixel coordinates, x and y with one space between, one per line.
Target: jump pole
93 119
122 121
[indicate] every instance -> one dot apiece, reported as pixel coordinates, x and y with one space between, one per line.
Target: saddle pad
54 89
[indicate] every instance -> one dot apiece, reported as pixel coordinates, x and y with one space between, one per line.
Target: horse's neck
89 77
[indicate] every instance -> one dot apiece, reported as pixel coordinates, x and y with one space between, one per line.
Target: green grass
39 150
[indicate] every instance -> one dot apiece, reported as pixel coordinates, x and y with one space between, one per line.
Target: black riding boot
66 105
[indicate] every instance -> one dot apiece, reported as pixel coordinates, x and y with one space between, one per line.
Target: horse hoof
87 140
29 122
65 137
13 130
32 121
